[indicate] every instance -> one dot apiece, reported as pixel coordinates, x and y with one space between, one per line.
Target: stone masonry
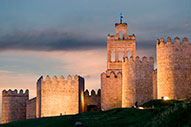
116 45
31 108
137 81
111 81
14 105
60 97
127 80
173 68
155 84
111 89
92 99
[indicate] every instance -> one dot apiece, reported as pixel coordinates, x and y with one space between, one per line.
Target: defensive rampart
14 105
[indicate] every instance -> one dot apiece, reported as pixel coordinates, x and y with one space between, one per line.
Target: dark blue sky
85 23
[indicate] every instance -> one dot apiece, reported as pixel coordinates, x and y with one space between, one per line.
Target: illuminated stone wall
137 81
155 84
111 90
60 97
31 108
173 68
14 105
118 46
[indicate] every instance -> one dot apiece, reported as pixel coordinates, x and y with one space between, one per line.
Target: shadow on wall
92 108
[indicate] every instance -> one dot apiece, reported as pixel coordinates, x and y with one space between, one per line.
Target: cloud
49 40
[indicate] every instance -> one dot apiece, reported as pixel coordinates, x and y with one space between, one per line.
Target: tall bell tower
120 45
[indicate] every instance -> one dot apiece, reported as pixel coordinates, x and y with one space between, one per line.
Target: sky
62 37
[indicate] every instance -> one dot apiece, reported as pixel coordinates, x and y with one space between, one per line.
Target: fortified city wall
173 68
92 101
137 81
31 108
155 84
14 105
111 90
60 97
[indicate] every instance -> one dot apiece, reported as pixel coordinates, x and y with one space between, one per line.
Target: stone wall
174 68
111 90
60 97
137 81
14 105
31 108
92 100
155 84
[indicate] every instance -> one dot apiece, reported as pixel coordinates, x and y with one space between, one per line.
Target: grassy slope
165 113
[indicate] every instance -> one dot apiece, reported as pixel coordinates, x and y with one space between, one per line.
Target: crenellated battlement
61 79
93 93
15 93
162 43
14 105
68 91
138 60
173 64
111 74
92 99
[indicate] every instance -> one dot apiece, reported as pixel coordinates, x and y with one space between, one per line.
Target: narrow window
129 54
120 55
112 56
121 35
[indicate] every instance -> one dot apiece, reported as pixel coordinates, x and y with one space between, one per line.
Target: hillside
156 113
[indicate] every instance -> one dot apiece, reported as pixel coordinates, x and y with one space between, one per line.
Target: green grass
158 113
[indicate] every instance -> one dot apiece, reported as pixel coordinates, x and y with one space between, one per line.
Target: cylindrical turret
173 68
14 105
128 83
137 81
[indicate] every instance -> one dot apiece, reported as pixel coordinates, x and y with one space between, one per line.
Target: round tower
173 68
137 81
128 83
14 105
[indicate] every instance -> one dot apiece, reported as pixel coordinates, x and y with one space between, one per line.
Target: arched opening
129 54
92 108
121 35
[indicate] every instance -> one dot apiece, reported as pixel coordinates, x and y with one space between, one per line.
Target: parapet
138 60
93 93
111 74
61 79
15 93
161 42
31 100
